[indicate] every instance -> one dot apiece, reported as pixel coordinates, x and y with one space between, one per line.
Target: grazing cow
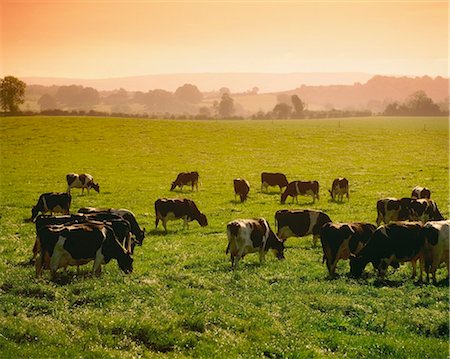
307 188
273 179
126 214
436 250
249 236
339 188
83 180
44 220
425 210
186 178
390 244
79 244
167 209
393 209
421 192
300 223
340 240
53 202
241 188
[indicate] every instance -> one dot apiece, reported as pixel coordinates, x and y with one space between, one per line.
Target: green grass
182 300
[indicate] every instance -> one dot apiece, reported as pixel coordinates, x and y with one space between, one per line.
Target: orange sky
85 39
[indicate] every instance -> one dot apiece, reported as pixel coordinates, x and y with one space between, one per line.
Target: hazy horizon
104 39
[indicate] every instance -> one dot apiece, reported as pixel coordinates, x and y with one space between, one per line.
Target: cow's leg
262 254
39 263
36 248
414 263
434 266
97 268
164 223
315 239
54 263
156 221
382 269
379 219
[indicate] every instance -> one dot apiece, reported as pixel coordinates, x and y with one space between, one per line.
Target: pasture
182 300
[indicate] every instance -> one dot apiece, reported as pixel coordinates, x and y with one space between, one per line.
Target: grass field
182 300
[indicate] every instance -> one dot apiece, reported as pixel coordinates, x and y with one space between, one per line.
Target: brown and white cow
393 243
273 179
393 209
53 202
436 250
250 236
421 192
425 210
186 178
339 188
108 214
340 240
82 180
167 209
304 188
80 243
241 188
300 223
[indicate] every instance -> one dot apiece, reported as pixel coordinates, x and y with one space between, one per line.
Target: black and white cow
80 243
341 240
421 192
300 223
83 180
393 209
53 202
436 250
167 209
339 188
303 188
393 243
126 214
250 236
425 210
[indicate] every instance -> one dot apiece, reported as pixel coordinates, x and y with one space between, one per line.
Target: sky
104 39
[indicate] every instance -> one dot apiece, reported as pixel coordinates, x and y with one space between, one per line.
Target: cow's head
243 196
96 187
125 262
140 237
202 220
331 193
357 265
276 244
173 186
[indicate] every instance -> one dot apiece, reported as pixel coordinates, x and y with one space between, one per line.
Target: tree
419 104
226 106
282 110
12 93
188 93
299 106
47 102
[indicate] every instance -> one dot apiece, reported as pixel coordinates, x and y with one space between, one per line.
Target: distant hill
374 94
236 82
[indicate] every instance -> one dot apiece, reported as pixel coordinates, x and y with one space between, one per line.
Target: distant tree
12 93
282 110
118 97
47 102
421 105
188 93
299 106
226 106
255 90
204 112
283 98
224 90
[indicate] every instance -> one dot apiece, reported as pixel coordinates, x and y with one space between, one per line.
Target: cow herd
414 229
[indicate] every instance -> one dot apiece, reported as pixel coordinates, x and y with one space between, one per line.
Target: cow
339 188
241 188
139 234
300 223
340 240
393 243
186 178
53 202
80 243
45 220
425 210
273 179
305 188
436 250
393 209
83 180
249 236
421 192
167 209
